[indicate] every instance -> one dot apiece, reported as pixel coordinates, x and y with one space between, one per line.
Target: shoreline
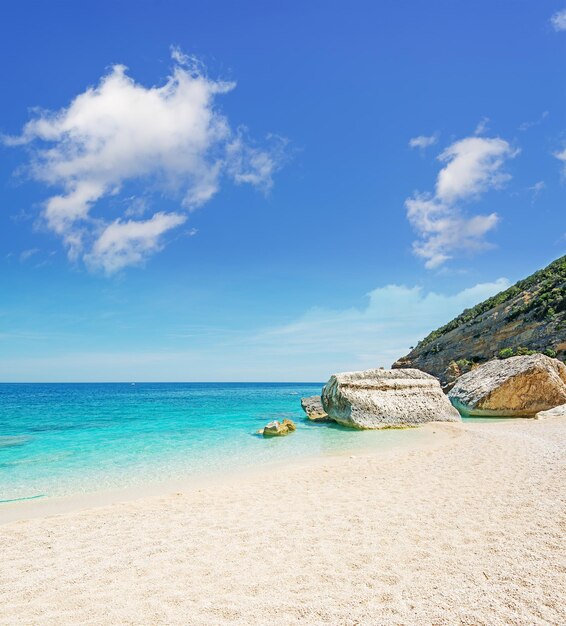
429 434
468 529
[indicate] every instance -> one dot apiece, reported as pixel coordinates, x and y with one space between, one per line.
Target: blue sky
268 190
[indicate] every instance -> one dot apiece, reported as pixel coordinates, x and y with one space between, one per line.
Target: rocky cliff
528 317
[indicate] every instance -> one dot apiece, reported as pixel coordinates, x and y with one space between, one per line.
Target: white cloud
395 317
481 128
180 57
472 166
128 243
423 141
249 164
136 206
561 156
309 348
537 189
171 137
558 20
27 254
323 341
526 125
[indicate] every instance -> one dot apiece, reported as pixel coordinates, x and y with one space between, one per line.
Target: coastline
468 530
427 435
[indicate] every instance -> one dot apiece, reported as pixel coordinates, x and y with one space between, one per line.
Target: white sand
470 530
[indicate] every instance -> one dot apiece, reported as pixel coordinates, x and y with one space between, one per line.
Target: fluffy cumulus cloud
472 166
171 138
423 141
558 20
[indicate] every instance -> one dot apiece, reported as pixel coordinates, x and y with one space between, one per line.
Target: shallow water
64 439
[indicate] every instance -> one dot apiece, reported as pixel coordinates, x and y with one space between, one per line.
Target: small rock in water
277 428
290 424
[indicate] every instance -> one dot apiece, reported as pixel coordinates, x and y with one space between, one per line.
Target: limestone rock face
277 428
514 387
312 406
452 373
380 398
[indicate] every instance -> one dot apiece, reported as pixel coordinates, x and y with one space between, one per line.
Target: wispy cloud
537 189
46 260
558 20
171 137
394 318
423 141
473 165
25 255
561 156
482 126
309 347
526 125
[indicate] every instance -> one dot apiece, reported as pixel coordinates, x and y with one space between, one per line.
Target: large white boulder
380 398
520 386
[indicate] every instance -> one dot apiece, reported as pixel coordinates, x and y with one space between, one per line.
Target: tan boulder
277 428
519 386
380 398
290 425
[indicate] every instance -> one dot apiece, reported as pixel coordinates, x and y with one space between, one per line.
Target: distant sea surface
65 439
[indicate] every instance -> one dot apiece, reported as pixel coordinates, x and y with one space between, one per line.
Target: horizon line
161 382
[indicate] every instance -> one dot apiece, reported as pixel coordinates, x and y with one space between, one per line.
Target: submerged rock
519 386
277 428
380 398
312 406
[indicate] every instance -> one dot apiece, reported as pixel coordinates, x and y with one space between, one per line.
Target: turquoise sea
65 439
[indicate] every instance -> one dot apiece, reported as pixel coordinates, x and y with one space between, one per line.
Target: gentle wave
40 495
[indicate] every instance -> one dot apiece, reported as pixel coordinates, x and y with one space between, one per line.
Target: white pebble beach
467 530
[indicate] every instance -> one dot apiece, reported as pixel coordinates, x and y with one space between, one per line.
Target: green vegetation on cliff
528 317
544 298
